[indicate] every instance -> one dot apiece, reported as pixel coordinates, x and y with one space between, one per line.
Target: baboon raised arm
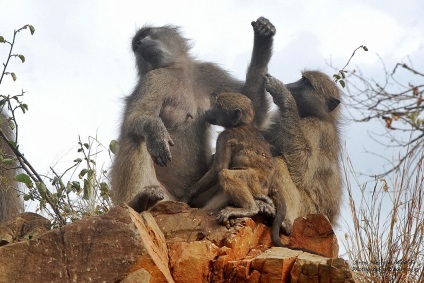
304 137
164 143
243 164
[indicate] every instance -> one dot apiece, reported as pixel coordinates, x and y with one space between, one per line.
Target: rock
315 234
138 276
192 262
95 249
171 243
23 226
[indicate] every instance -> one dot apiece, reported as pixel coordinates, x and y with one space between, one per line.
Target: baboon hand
263 27
159 149
278 90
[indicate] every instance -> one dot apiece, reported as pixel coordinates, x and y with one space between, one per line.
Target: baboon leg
235 185
134 178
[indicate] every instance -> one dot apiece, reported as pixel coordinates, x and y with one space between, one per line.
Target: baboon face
158 47
315 94
230 110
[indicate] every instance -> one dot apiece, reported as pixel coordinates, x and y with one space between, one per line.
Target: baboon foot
225 215
266 208
147 198
223 218
263 27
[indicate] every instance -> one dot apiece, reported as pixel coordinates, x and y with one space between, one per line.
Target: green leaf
42 189
86 145
12 125
337 77
13 76
2 40
31 28
78 160
82 173
113 146
23 108
24 178
342 83
22 57
28 197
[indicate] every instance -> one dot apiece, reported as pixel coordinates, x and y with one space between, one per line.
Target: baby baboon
10 203
304 139
164 116
242 165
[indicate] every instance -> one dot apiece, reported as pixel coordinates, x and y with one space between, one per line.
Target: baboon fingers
161 154
263 27
275 87
265 208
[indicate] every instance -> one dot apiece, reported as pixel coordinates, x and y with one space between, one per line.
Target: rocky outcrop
170 243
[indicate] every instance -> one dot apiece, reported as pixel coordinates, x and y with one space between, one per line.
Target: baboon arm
254 87
221 161
143 120
289 139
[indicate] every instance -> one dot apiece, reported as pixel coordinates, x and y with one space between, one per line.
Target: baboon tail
280 214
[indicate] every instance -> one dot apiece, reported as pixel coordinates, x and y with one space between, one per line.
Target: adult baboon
164 116
304 139
242 165
10 203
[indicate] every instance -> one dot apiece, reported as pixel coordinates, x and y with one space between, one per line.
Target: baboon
242 164
164 117
10 203
304 137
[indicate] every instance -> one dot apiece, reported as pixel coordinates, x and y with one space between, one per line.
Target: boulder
170 243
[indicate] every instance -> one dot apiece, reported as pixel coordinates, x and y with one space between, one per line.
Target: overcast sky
79 63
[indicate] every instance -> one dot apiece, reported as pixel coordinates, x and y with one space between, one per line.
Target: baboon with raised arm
164 144
304 139
243 165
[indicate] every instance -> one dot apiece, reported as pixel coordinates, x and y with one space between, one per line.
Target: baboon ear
235 119
332 103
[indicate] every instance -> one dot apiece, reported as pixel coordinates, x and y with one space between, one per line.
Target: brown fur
243 164
304 137
10 202
164 116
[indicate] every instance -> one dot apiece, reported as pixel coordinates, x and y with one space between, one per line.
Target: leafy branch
89 195
341 75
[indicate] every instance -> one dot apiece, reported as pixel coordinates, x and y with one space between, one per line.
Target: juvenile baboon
304 139
10 203
242 165
164 116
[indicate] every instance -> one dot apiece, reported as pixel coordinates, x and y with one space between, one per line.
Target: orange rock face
171 243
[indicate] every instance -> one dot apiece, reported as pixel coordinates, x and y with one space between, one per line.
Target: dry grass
385 243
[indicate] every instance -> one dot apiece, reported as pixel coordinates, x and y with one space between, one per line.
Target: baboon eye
144 33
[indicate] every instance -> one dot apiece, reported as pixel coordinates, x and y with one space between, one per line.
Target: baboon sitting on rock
304 137
243 165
